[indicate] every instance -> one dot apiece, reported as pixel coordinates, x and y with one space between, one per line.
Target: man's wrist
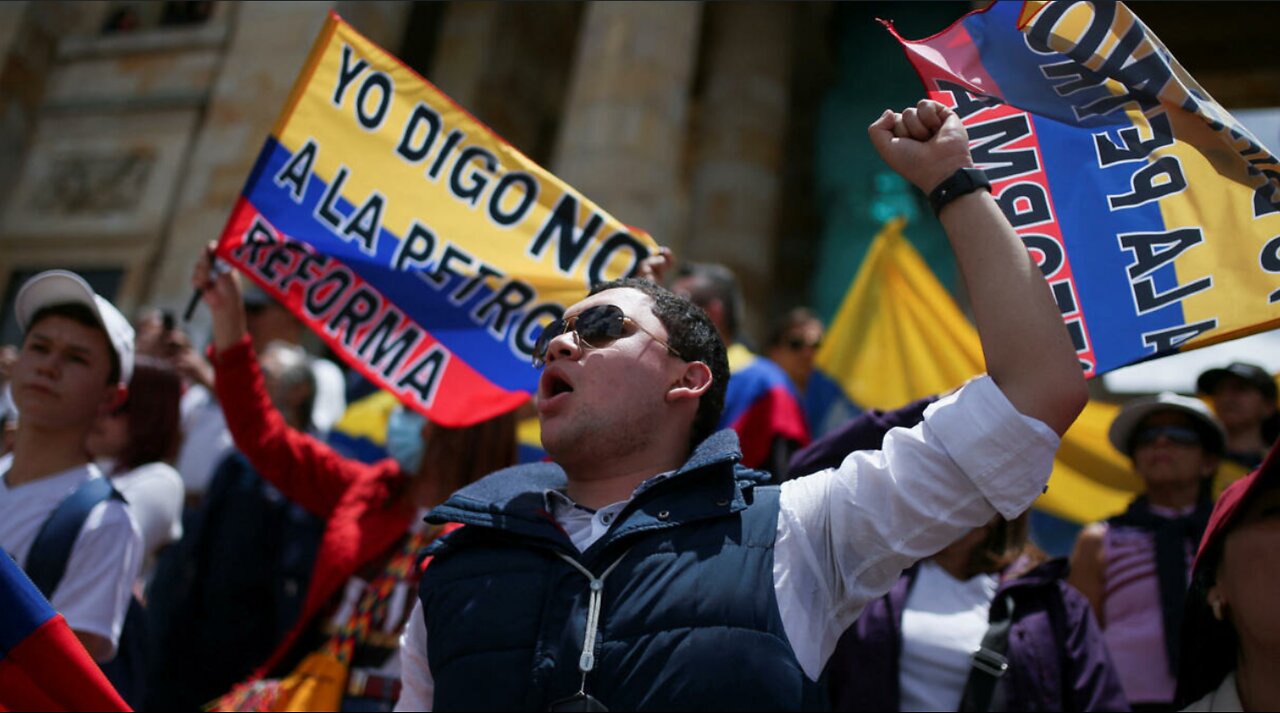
962 182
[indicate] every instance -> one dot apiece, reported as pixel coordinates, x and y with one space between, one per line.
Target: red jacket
358 501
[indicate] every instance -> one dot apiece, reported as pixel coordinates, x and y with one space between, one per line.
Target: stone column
462 50
739 148
11 15
268 45
623 135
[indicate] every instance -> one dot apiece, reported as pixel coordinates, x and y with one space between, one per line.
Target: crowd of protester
182 509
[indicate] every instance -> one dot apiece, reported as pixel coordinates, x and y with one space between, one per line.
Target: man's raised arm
1027 349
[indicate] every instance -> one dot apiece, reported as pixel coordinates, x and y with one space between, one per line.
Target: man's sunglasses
1176 434
595 327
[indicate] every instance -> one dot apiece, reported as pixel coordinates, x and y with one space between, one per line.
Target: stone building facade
732 132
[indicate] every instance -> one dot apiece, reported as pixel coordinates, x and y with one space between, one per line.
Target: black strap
47 560
989 662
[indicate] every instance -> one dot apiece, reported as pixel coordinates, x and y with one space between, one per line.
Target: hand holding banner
422 248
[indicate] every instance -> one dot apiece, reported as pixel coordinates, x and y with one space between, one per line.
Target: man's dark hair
691 333
712 281
81 314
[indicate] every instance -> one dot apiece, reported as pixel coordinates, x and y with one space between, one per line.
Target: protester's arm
845 535
1088 572
1028 352
304 469
865 431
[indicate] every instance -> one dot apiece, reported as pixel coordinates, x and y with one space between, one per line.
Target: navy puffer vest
688 619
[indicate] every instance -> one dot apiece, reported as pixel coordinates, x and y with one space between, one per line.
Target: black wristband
963 182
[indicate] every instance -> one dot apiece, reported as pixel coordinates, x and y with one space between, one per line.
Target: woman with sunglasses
1134 567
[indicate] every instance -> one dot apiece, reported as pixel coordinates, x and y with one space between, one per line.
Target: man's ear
693 382
113 398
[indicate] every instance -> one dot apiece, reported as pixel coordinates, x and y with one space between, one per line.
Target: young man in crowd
762 405
643 568
74 366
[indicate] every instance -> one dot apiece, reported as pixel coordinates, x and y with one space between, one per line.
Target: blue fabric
689 619
22 608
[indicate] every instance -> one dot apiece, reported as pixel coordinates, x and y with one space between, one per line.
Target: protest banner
425 250
1153 214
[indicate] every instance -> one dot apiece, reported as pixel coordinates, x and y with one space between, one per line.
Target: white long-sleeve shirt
845 534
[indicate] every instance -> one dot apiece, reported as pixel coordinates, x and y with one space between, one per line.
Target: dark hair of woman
152 410
1005 542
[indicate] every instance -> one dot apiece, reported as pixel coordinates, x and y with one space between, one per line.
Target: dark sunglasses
595 327
795 344
1176 434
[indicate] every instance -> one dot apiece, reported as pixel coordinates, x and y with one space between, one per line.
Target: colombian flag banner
43 667
1154 215
419 245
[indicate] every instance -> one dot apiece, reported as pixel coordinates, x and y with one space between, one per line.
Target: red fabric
774 414
50 671
1233 501
357 500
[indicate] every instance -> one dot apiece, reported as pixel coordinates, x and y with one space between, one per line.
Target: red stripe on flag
462 396
50 670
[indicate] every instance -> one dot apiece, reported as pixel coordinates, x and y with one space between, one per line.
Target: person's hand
655 267
220 291
190 364
924 144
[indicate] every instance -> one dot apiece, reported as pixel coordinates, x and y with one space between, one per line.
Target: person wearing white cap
74 365
1134 568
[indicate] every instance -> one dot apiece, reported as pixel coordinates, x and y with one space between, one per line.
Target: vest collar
709 484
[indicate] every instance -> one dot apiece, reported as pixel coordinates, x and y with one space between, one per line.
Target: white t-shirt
331 395
94 593
154 494
845 534
943 623
205 439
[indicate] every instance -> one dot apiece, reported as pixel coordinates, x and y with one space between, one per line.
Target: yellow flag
899 336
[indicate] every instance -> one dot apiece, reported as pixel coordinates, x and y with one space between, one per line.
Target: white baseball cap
54 287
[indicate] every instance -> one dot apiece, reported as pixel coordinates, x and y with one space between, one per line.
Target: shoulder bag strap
47 559
989 663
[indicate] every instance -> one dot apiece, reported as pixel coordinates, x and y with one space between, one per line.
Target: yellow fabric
316 684
367 418
899 336
529 432
739 357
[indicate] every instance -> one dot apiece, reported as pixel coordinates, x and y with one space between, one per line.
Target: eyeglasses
795 344
1175 434
595 327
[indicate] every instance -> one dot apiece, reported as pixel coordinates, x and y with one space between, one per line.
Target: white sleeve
845 534
417 687
93 595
